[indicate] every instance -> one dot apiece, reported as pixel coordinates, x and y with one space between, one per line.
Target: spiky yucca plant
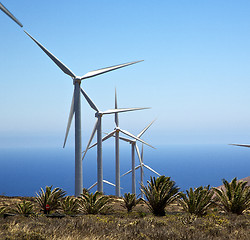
70 205
234 197
49 199
160 192
93 203
197 201
24 208
130 201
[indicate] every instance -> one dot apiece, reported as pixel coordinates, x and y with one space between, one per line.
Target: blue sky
195 76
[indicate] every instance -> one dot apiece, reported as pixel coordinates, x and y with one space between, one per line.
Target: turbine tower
98 129
116 133
76 102
134 148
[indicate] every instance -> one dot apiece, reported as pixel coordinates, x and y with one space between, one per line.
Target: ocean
24 171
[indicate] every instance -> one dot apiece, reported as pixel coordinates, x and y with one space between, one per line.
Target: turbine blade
71 114
126 139
63 67
112 184
122 110
104 139
152 170
130 171
116 114
91 103
133 136
92 186
8 13
90 139
107 69
145 129
138 154
241 145
126 173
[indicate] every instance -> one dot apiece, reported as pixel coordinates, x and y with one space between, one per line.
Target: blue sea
24 171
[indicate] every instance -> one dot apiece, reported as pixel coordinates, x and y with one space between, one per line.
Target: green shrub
70 205
130 201
159 193
197 201
93 203
49 199
24 208
234 197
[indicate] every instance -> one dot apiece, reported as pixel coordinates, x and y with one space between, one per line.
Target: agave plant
197 201
70 205
24 208
93 203
49 199
130 201
234 197
160 192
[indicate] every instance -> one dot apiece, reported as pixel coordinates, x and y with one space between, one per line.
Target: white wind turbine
116 134
75 105
98 129
134 148
141 165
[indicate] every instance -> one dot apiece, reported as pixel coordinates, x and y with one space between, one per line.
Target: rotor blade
7 12
91 103
116 114
107 69
112 184
90 139
63 67
122 110
103 139
133 136
241 145
138 154
152 170
130 171
71 114
92 186
126 139
145 129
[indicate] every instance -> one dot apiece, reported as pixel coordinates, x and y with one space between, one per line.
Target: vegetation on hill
95 216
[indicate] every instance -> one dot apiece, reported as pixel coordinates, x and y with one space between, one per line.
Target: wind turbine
76 103
141 165
134 148
116 133
98 129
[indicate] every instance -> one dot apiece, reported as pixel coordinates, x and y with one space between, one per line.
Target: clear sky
196 74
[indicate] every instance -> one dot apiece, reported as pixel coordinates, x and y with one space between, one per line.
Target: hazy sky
196 74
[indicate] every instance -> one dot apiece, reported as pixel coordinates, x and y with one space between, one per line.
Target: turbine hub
77 80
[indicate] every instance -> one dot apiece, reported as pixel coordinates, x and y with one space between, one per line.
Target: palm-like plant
234 197
24 208
130 201
70 205
49 199
197 201
160 192
93 203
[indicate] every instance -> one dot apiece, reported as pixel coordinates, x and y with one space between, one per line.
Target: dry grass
140 224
